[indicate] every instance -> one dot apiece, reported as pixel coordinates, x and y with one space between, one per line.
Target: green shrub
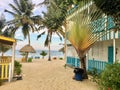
61 58
95 75
29 59
110 77
17 68
43 54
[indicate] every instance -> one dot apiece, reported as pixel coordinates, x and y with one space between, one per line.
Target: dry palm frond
80 35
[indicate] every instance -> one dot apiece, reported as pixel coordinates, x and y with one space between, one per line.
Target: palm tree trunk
49 40
49 56
83 64
65 42
27 53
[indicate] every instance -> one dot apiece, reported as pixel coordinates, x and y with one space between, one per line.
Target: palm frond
45 2
15 9
59 36
40 35
47 40
60 30
17 4
40 27
23 5
10 12
25 30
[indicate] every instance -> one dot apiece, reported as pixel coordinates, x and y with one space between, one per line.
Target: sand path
48 75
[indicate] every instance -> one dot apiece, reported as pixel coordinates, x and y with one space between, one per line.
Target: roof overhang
6 40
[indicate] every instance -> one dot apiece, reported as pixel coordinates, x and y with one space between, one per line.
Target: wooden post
13 59
2 74
6 70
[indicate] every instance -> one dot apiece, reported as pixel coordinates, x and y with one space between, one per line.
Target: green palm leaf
40 35
15 9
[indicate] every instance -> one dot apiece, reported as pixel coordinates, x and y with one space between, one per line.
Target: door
110 54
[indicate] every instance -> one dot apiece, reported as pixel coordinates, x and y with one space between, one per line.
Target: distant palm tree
4 49
53 24
43 53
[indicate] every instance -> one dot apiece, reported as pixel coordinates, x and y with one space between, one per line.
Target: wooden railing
98 64
5 59
5 66
4 70
75 62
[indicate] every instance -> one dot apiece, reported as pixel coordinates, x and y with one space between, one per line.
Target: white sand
48 75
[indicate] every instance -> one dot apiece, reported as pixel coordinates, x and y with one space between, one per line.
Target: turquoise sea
37 54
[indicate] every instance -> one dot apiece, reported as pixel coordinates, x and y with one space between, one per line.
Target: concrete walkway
48 75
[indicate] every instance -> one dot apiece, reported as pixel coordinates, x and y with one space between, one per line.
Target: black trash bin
78 74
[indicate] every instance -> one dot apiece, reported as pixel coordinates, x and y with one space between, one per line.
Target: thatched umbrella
27 49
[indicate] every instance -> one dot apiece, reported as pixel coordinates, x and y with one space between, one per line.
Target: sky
37 44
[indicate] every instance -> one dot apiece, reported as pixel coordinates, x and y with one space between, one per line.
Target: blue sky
37 44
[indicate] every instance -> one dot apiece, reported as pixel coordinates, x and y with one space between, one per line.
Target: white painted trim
114 47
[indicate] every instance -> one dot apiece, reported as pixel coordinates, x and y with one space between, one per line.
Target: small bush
110 77
95 75
17 68
61 58
29 59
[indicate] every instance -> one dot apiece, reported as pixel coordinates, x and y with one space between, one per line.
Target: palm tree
43 53
52 21
49 38
22 11
60 18
55 18
82 35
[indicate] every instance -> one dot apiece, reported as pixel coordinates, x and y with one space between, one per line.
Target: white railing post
10 73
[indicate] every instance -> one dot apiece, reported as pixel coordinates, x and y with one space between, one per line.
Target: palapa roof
27 48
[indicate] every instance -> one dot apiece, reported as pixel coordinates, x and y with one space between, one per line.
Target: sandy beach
48 75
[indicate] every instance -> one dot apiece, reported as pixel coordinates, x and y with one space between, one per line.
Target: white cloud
18 33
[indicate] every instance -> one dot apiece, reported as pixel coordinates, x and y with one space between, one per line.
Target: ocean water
37 54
